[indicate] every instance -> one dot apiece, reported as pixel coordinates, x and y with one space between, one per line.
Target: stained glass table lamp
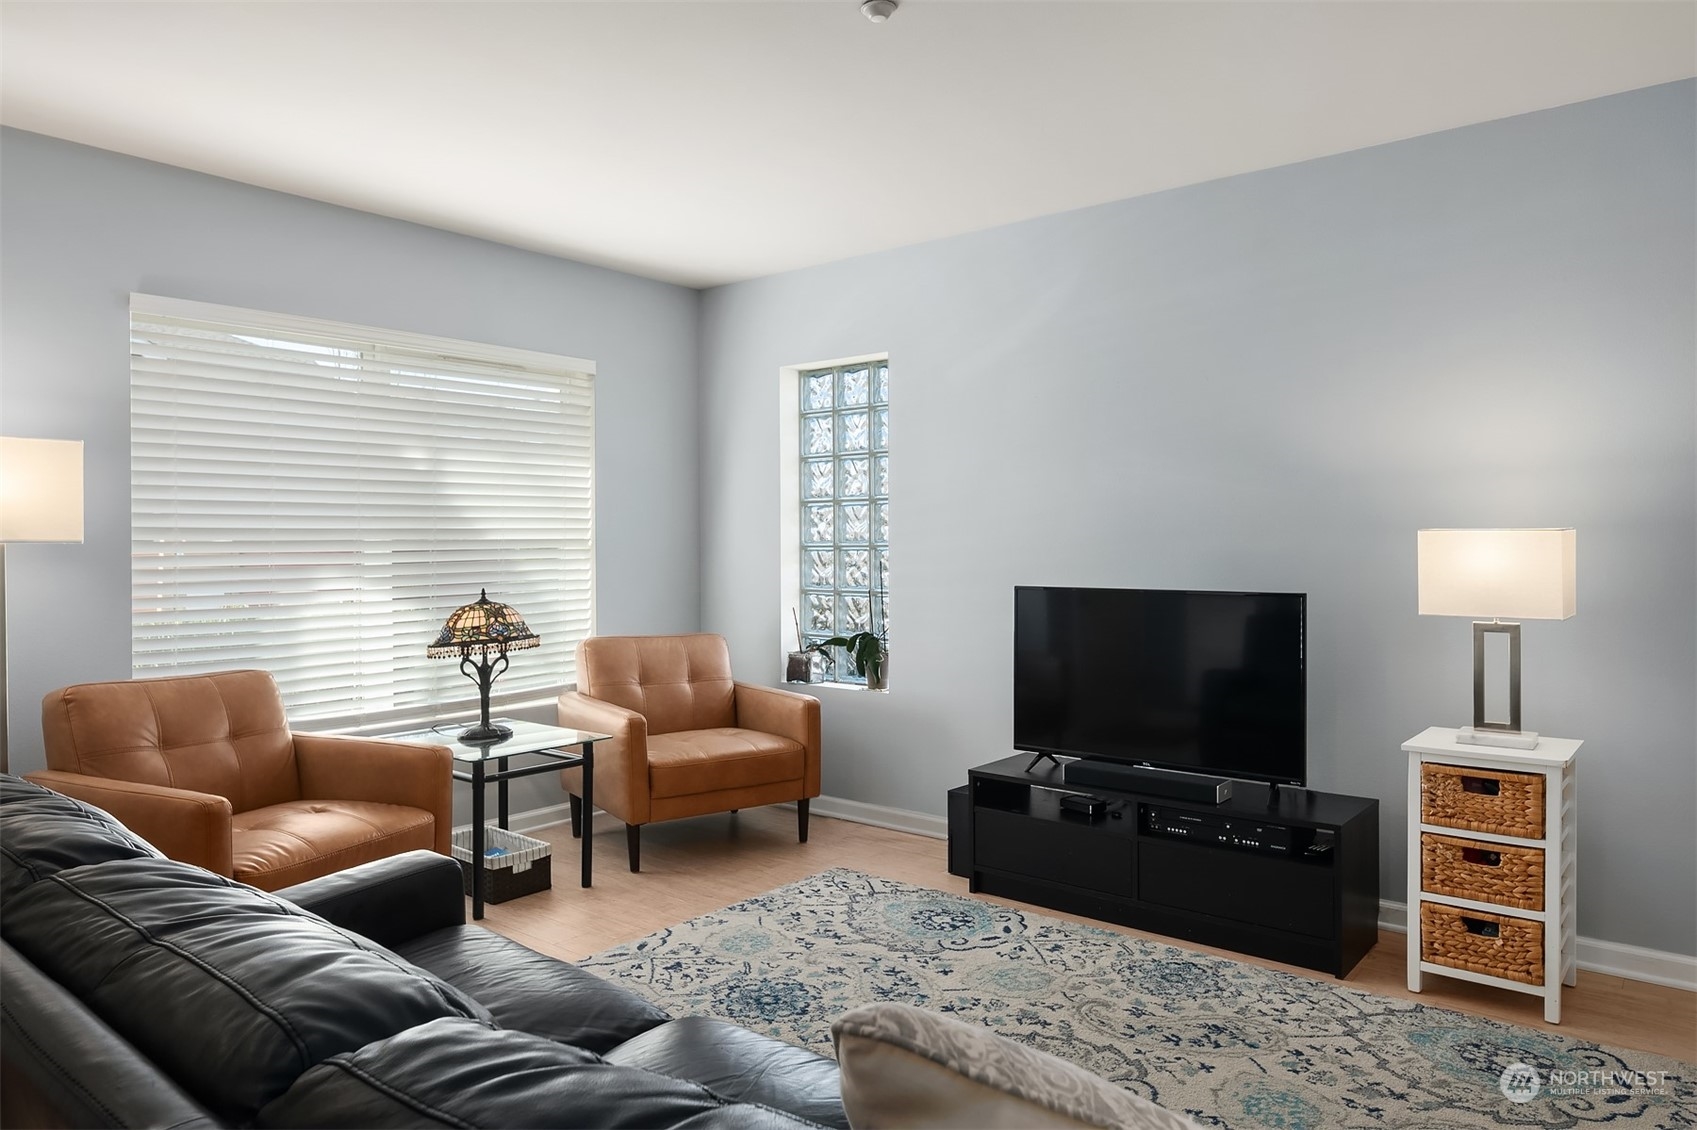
481 634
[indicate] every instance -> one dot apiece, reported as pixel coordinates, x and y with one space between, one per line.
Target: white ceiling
707 141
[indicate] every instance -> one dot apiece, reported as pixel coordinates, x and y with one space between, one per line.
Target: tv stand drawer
1279 894
1056 851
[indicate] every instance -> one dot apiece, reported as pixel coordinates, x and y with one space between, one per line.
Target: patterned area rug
1230 1044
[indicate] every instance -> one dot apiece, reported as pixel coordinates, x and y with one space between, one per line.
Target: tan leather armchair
687 738
205 768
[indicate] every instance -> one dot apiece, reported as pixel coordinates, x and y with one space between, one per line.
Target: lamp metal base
1502 739
483 735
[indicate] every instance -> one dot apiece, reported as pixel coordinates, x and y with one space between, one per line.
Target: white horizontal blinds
315 499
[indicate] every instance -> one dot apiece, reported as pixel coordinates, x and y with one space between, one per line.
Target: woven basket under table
521 869
1482 800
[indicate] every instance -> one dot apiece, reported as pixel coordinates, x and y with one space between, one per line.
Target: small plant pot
879 679
800 668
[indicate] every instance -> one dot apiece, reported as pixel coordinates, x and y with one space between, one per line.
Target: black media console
1295 879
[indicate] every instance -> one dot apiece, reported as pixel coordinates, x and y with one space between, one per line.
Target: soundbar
1150 782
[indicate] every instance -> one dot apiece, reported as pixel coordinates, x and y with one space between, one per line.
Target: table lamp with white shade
40 500
1508 576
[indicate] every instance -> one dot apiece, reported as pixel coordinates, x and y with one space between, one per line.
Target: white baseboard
896 819
880 816
1636 963
553 815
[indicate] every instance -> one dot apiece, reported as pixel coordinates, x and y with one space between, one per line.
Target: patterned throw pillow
905 1067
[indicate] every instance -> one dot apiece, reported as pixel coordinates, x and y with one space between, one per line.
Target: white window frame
215 411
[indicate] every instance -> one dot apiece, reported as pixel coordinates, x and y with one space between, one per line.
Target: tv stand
1290 874
1039 757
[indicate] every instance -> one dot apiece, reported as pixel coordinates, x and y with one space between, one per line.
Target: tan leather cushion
299 840
704 761
675 682
223 734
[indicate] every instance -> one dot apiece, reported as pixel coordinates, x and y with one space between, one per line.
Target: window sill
860 688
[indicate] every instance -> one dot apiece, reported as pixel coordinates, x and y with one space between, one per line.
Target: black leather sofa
137 991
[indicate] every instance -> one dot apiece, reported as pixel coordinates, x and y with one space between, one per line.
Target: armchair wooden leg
577 815
801 818
633 841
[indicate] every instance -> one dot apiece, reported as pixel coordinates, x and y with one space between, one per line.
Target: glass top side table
558 746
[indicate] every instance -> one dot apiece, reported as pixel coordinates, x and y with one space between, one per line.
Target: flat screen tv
1203 682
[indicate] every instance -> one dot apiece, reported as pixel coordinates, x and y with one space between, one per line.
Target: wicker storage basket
521 867
1482 800
1470 869
1493 944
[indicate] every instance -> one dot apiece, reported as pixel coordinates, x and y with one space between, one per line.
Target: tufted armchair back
223 734
675 682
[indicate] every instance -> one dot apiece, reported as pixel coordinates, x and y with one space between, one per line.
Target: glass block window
845 505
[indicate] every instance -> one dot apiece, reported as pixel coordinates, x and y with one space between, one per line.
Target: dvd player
1209 827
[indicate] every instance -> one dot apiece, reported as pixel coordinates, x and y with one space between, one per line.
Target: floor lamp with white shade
40 500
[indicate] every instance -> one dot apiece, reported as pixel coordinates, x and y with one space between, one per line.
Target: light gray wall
81 228
1270 382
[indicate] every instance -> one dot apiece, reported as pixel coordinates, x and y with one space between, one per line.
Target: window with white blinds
315 499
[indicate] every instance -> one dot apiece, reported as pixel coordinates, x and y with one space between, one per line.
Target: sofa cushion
704 761
740 1065
232 992
66 1067
43 832
298 840
530 992
460 1073
905 1067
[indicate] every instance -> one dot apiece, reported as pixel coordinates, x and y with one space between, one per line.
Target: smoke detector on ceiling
878 10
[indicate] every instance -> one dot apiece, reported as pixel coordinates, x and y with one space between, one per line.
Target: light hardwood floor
690 867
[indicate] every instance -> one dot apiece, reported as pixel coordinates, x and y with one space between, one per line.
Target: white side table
1491 864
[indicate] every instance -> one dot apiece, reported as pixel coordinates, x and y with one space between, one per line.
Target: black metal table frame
479 777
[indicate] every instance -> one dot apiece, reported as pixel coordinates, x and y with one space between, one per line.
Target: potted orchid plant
868 650
870 654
